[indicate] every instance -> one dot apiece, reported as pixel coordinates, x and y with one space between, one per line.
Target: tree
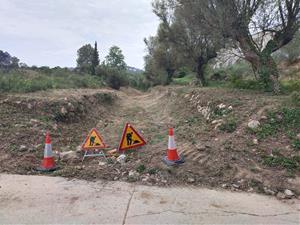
7 61
85 58
194 45
115 58
275 22
95 60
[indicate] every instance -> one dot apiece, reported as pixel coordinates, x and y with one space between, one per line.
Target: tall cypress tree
95 61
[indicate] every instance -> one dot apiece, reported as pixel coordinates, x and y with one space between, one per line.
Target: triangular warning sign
93 141
130 138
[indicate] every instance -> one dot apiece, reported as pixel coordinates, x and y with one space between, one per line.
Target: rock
101 163
29 106
191 180
116 178
236 186
224 185
298 136
280 195
70 155
34 121
253 124
22 148
263 118
78 148
288 193
200 147
63 110
269 191
133 173
217 121
230 108
121 159
255 141
55 127
222 106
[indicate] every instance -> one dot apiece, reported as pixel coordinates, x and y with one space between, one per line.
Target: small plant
141 168
152 171
229 126
296 145
280 161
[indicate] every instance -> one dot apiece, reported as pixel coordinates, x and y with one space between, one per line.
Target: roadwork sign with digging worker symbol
93 141
130 138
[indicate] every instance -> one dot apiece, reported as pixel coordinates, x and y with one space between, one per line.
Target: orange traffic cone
172 157
48 163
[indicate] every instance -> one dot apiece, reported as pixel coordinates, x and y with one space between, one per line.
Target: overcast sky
49 32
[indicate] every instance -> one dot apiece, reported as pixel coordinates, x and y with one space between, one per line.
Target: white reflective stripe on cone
171 144
48 151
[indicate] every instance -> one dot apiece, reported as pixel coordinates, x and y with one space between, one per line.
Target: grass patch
19 81
286 120
184 80
283 162
229 125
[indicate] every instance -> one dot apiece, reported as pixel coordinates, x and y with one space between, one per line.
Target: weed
152 171
286 120
296 145
141 168
229 125
280 161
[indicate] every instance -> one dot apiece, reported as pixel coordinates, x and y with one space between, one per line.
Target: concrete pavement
55 200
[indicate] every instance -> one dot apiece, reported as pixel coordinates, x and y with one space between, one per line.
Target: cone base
172 163
42 169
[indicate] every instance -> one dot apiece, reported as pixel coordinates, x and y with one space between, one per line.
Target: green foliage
113 77
286 120
229 125
141 168
138 81
284 162
115 58
25 81
95 60
186 80
289 86
153 171
296 144
85 58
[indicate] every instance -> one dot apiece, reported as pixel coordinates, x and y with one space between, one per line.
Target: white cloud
49 32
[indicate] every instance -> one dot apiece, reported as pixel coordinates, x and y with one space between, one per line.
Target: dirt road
36 199
232 157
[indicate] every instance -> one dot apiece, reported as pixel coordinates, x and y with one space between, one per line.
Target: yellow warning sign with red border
130 138
93 141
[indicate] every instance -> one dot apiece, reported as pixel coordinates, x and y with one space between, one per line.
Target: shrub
229 126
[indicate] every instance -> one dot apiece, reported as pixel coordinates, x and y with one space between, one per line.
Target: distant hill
134 70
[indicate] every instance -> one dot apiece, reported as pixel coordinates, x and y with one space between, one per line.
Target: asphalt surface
55 200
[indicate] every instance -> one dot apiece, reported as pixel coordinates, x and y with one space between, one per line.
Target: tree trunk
200 71
268 73
170 74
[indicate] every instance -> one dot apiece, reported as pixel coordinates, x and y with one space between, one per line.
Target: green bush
289 86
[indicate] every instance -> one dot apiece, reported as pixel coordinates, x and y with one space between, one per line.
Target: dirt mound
210 129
